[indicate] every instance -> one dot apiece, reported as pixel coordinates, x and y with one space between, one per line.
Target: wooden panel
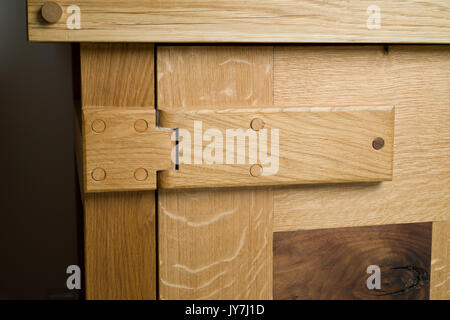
120 234
317 76
120 245
117 75
303 145
440 263
196 77
415 79
215 244
128 148
332 263
344 21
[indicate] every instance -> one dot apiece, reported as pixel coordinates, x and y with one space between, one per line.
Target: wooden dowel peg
98 126
256 170
257 124
141 125
51 12
141 174
98 174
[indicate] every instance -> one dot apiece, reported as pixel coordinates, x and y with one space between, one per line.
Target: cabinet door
217 243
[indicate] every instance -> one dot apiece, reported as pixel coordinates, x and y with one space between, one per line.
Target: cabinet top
236 21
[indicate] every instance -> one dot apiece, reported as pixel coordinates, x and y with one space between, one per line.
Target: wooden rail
256 21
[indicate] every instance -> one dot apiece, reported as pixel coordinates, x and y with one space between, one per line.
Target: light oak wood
214 244
415 79
117 75
256 170
312 145
200 77
315 76
119 149
257 124
120 235
341 21
440 261
120 246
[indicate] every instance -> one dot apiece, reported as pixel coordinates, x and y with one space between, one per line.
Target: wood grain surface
281 21
121 149
235 261
332 263
303 146
120 235
440 261
117 75
214 243
199 77
415 79
120 249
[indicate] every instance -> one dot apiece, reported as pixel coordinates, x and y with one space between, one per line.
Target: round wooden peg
257 124
256 170
98 174
51 12
140 174
141 125
98 126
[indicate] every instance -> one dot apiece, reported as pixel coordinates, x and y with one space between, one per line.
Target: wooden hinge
126 149
123 149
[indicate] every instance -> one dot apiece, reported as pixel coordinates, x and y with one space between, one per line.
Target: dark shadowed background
39 207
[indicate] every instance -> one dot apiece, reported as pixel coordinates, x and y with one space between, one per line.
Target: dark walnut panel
332 263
